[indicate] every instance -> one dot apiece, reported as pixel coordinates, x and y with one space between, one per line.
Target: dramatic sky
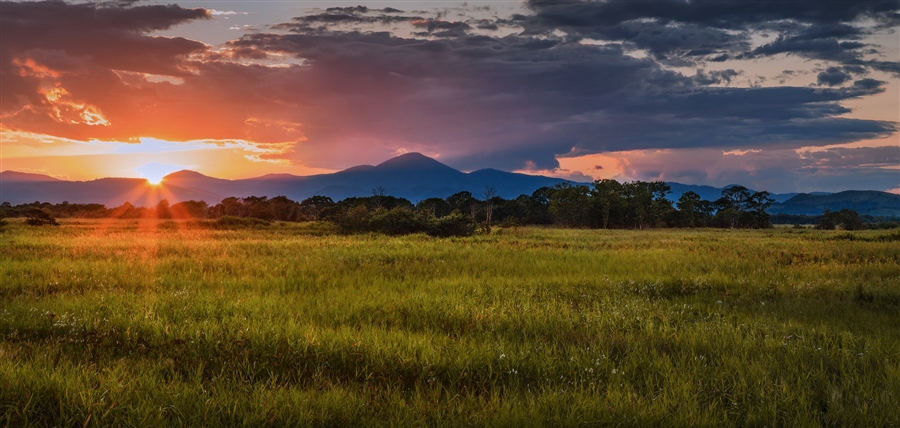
778 95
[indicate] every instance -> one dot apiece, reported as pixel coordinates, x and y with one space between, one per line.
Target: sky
782 95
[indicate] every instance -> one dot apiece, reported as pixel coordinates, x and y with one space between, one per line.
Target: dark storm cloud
683 31
430 25
833 76
885 157
57 17
824 49
714 13
523 99
716 77
355 17
868 84
355 14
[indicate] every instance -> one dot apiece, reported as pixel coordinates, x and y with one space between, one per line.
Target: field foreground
150 323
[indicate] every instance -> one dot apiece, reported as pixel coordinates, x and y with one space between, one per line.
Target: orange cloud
29 67
67 111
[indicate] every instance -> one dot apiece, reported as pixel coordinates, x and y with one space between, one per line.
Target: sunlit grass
150 323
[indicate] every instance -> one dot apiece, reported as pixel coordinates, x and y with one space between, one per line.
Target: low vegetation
181 322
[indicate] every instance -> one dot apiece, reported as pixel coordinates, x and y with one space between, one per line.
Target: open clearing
151 323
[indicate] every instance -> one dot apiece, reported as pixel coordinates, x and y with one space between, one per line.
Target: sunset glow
154 172
245 89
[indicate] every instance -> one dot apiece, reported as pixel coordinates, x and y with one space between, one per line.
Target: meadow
167 323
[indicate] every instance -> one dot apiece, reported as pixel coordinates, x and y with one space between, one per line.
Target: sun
155 172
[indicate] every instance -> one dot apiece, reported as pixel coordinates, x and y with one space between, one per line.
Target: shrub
454 224
39 217
354 220
397 221
847 219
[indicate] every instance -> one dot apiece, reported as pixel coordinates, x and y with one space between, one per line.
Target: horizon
159 182
788 99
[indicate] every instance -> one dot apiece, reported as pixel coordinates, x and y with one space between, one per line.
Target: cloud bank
353 85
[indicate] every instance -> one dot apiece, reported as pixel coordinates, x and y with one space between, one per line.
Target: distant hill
711 193
708 193
868 202
107 191
412 176
19 177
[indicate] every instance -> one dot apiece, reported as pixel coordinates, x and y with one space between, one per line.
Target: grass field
149 323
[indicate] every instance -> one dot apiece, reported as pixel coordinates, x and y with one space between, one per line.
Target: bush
354 220
39 217
454 224
847 219
397 221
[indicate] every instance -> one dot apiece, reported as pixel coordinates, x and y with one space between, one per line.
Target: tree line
606 204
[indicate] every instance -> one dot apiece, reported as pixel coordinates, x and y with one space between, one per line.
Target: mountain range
412 176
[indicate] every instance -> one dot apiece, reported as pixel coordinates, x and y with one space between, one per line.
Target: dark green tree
689 207
284 209
189 209
437 207
538 206
646 203
731 206
162 209
258 207
312 207
756 206
847 219
571 205
736 196
464 203
230 206
609 197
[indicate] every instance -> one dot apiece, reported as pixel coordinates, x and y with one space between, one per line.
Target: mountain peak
185 174
412 160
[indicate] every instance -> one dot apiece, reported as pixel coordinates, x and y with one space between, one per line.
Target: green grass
150 323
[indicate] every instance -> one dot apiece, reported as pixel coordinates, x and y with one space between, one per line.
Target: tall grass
142 323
